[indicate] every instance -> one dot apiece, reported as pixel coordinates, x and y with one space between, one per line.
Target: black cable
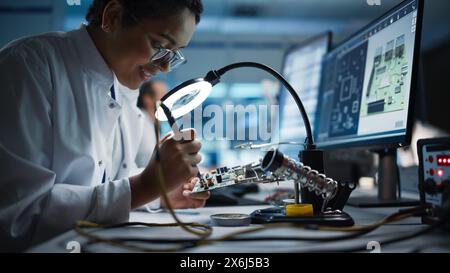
399 185
191 243
168 114
121 244
392 240
246 239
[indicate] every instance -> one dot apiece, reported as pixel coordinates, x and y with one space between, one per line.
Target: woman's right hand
178 160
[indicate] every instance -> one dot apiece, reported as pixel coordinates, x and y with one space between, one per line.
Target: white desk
436 241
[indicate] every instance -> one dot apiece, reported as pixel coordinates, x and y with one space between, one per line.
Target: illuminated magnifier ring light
185 98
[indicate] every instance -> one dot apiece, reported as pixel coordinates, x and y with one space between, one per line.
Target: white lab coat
57 120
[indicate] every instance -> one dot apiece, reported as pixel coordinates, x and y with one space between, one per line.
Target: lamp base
276 215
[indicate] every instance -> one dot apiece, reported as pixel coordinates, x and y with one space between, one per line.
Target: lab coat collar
129 94
95 66
91 59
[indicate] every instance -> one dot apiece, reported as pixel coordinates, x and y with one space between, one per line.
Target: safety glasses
164 56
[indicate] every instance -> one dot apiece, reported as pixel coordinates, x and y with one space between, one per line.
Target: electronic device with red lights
443 160
434 173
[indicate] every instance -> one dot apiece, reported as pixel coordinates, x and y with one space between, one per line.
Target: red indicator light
440 173
443 160
431 172
430 159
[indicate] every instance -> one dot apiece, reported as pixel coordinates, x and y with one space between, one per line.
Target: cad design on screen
368 79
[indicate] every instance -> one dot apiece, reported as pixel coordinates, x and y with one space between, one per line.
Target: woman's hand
178 162
183 198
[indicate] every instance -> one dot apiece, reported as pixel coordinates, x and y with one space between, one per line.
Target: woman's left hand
183 198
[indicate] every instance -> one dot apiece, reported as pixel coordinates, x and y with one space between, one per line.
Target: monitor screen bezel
328 35
383 142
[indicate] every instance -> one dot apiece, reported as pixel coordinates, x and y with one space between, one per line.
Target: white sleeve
151 206
145 151
147 143
154 205
32 207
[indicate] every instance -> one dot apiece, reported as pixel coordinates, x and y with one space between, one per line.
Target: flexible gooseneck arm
215 75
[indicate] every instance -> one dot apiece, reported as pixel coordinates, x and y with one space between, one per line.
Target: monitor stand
389 190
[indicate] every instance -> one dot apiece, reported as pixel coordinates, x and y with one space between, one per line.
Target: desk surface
436 241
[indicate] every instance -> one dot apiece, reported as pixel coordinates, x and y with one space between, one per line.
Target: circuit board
224 177
386 88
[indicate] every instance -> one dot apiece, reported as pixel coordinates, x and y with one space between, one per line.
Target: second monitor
367 91
302 66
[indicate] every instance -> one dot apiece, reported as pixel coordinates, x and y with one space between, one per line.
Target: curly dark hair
144 9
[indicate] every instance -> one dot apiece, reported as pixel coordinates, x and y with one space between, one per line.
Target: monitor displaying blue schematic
302 67
366 86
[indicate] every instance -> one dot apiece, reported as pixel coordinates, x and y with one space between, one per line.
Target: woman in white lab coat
70 131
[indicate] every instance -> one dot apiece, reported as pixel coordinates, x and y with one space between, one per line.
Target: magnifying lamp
192 93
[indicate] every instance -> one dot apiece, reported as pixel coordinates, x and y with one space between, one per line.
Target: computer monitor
367 90
302 66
